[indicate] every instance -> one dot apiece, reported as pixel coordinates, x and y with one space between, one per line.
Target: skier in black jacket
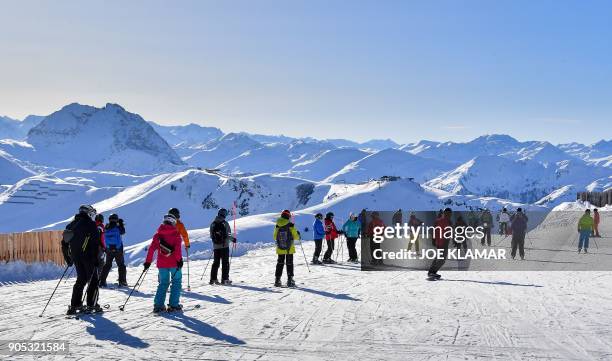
82 251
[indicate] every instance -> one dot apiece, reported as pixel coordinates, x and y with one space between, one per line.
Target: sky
406 70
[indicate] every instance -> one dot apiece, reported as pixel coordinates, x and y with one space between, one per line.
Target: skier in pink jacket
167 243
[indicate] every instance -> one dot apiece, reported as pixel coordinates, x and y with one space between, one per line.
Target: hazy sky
442 70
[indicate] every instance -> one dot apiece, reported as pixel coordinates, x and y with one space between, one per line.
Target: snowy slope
495 144
543 153
16 129
524 181
186 136
108 138
221 150
390 162
598 150
11 171
327 163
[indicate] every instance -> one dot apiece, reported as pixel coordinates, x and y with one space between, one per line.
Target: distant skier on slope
113 233
504 220
285 234
397 218
441 242
352 230
221 235
167 243
486 220
318 233
585 227
519 228
374 223
80 247
331 233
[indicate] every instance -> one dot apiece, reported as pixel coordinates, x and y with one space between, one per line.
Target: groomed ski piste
336 312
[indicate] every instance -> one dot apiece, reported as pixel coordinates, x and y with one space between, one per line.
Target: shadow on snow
197 327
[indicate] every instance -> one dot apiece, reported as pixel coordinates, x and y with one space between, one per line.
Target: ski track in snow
338 312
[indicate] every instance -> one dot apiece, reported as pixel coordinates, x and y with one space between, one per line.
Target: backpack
219 232
68 233
284 237
164 248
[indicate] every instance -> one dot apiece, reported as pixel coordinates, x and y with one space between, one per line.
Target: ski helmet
170 219
318 215
100 218
222 212
286 214
175 212
113 217
88 210
329 215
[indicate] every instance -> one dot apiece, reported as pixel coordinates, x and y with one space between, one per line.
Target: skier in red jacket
442 224
376 222
331 233
167 243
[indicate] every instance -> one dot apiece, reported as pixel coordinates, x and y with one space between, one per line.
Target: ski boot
159 309
226 282
94 309
586 250
177 308
73 310
316 261
214 282
123 284
278 283
579 250
103 285
291 282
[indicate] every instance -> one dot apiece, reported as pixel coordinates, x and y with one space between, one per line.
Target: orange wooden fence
32 247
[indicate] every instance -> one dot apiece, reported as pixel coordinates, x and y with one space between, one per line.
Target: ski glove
147 265
66 254
234 239
179 263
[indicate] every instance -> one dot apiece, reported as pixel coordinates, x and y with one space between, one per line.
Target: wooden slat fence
598 199
32 247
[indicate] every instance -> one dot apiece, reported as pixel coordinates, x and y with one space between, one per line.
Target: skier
397 218
414 223
472 219
585 227
504 219
180 226
460 223
596 223
167 243
102 249
221 235
487 221
331 233
352 230
80 248
441 242
374 223
113 233
285 234
318 233
519 228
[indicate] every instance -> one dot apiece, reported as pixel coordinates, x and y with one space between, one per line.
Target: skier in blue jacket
318 231
352 231
113 233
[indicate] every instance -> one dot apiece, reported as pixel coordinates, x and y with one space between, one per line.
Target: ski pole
58 283
304 253
235 236
207 263
140 284
122 308
188 284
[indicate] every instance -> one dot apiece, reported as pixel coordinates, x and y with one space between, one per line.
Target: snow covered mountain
187 136
10 171
108 138
222 149
390 162
16 129
327 163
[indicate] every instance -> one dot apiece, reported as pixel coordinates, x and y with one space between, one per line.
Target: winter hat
318 215
175 212
329 215
519 210
99 217
170 219
113 217
286 214
222 213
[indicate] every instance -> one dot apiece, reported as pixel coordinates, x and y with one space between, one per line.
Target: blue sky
406 70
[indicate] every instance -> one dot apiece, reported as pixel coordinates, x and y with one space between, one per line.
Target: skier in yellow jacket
285 236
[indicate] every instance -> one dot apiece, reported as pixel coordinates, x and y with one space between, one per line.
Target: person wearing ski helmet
180 226
221 236
80 247
285 235
331 233
102 250
443 223
486 219
113 236
375 223
352 230
318 233
167 243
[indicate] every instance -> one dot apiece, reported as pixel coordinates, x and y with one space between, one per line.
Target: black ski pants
116 255
350 244
518 240
280 263
87 275
221 257
439 261
330 249
318 246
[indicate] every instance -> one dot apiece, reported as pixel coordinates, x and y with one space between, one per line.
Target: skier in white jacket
504 220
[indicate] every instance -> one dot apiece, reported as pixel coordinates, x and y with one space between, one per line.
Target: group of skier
327 229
